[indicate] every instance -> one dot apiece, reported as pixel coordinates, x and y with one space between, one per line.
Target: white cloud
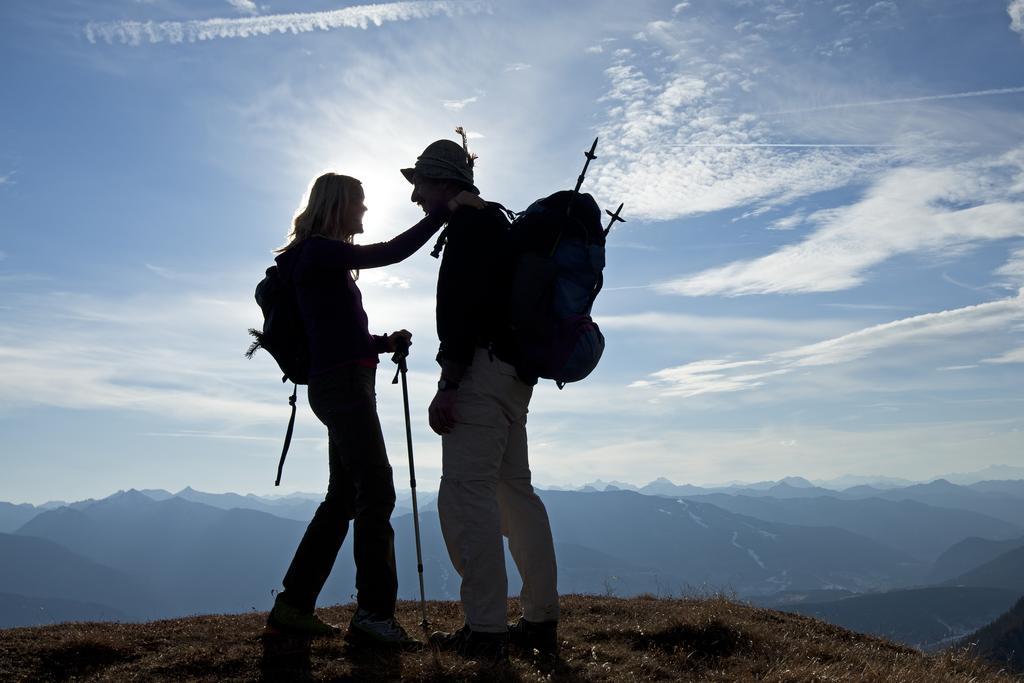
178 357
675 145
172 274
518 66
883 12
708 376
1016 11
381 278
1012 356
916 331
356 16
731 143
458 105
244 6
841 46
921 335
682 323
1012 272
938 211
790 222
193 434
753 213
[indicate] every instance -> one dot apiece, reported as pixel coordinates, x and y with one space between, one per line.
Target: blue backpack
558 260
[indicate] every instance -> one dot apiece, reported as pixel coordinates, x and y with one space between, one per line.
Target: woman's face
352 222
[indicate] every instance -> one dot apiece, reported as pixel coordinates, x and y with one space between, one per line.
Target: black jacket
473 287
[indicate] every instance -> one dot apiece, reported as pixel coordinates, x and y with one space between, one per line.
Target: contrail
357 16
904 100
784 144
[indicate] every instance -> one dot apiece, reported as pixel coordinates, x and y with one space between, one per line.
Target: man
480 412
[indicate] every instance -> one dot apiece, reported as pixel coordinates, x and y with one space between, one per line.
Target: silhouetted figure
480 412
322 262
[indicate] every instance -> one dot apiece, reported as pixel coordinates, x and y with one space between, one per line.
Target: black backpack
284 336
558 259
283 333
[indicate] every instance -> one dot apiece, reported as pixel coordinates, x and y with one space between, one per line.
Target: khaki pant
486 493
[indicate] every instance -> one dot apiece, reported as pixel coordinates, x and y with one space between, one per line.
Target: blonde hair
327 204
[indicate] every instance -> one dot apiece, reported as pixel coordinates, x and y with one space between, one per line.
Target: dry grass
603 639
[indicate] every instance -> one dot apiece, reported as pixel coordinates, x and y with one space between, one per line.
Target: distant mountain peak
129 495
942 484
601 485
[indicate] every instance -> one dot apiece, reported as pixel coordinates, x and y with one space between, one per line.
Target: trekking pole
401 353
614 217
590 155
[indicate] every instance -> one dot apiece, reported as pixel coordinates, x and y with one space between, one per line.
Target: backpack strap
442 239
509 213
597 290
287 435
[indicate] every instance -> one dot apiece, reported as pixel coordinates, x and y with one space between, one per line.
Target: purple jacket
329 299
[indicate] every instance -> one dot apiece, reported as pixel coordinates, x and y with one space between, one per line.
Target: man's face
430 195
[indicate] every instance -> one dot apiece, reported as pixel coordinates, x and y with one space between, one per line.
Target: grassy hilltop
603 639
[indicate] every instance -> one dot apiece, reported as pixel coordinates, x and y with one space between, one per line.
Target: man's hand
442 411
401 338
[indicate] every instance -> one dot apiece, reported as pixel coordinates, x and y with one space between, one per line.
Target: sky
821 272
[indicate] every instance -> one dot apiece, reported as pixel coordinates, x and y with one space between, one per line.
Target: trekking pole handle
401 349
401 353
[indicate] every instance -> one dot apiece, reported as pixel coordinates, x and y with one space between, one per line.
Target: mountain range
923 563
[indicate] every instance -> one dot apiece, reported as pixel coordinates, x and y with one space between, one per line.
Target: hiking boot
368 629
287 620
534 637
489 648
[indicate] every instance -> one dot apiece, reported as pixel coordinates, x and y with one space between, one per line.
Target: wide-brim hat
443 160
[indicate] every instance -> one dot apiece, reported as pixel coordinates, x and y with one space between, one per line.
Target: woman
323 263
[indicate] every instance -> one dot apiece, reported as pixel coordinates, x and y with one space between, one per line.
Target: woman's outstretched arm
402 246
398 248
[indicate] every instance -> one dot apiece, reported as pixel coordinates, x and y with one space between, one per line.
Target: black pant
361 488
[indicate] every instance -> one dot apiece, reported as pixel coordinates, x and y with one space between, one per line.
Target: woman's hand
466 198
401 338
